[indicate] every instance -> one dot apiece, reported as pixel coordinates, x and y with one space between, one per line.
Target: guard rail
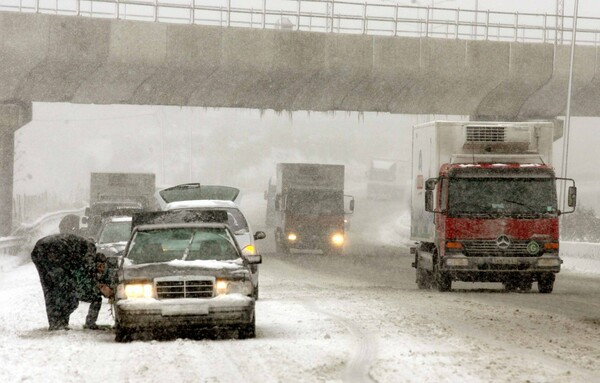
13 244
333 16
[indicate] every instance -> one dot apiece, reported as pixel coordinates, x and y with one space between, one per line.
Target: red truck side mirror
429 201
572 196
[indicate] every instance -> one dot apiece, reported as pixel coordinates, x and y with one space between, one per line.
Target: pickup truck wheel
546 283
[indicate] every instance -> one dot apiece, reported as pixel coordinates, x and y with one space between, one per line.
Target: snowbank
581 257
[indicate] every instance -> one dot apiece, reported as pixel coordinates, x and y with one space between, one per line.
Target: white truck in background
388 179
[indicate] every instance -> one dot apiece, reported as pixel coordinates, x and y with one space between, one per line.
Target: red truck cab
490 218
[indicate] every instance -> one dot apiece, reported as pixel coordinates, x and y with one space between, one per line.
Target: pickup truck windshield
501 196
187 244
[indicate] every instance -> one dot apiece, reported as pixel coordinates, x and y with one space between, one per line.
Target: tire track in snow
358 368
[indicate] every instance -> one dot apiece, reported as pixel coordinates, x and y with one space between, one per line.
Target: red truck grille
484 248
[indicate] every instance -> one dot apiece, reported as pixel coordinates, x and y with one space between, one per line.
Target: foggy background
64 143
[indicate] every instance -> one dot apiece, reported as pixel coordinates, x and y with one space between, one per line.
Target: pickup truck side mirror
259 235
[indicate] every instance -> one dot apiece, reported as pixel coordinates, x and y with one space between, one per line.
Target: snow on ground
357 318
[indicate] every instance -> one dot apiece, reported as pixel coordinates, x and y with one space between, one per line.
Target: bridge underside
97 61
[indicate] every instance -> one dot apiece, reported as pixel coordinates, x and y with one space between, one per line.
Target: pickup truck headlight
139 290
224 287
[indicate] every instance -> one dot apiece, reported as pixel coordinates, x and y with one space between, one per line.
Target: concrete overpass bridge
430 61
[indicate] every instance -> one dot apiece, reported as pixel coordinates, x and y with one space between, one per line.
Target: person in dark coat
91 286
57 258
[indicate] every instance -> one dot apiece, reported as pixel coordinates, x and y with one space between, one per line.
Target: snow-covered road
358 318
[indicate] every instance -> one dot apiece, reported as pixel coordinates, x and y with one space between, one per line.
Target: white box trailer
439 142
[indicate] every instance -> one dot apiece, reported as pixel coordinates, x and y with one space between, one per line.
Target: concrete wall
82 60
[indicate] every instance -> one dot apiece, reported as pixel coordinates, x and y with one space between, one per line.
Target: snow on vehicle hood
217 269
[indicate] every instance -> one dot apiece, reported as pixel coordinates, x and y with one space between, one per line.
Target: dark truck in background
309 204
114 191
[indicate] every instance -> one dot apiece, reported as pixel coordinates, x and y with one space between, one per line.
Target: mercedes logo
503 242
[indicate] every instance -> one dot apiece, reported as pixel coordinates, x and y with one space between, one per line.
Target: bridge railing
332 16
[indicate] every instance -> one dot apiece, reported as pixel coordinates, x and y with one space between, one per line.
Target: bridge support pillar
13 115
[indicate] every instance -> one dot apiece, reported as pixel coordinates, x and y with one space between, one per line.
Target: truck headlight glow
249 250
139 290
292 237
224 286
337 239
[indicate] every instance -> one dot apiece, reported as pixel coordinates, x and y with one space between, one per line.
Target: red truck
484 204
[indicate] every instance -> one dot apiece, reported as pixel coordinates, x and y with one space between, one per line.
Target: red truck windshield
501 196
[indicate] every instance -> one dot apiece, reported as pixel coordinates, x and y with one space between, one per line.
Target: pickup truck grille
485 248
184 289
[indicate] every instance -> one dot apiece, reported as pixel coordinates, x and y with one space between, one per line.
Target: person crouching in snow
93 282
56 258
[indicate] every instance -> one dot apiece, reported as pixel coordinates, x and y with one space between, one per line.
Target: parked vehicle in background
195 192
110 191
215 198
184 277
112 237
484 204
387 180
309 202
